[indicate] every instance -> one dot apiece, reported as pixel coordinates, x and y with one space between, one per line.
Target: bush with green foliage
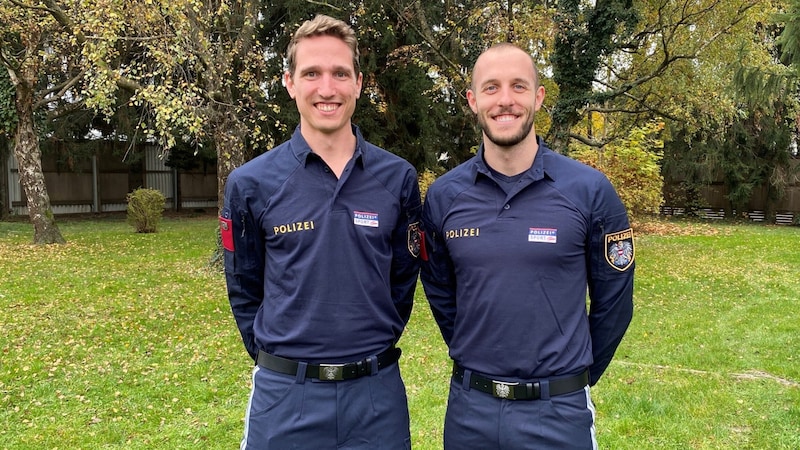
633 168
426 178
145 208
8 113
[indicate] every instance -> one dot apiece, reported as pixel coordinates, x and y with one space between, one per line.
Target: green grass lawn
125 340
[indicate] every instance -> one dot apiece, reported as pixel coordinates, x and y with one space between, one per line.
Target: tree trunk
29 159
229 138
558 137
5 198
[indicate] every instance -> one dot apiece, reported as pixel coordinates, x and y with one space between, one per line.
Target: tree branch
61 89
62 18
588 141
425 35
27 6
92 37
325 4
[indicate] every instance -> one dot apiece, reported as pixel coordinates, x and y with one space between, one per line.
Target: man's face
325 85
505 96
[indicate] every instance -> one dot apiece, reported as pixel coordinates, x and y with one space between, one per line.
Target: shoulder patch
415 242
619 249
226 231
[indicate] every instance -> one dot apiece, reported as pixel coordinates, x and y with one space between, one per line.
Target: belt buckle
331 372
503 389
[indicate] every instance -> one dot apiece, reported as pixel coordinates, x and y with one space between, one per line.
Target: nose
506 98
327 86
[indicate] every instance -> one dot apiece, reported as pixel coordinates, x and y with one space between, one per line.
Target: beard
506 141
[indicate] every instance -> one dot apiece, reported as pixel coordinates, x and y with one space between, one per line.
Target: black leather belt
329 372
521 390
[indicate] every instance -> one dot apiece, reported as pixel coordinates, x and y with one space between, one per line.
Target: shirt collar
302 151
537 171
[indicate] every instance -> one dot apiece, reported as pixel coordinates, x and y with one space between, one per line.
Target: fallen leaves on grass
665 227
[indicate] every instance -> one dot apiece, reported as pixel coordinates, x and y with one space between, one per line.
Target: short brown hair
507 46
323 25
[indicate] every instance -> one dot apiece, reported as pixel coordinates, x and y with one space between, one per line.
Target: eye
490 89
341 74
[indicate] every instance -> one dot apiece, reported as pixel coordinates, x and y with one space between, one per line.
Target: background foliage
632 166
202 75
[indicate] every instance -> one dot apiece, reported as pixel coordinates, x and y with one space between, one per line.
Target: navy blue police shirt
321 269
507 274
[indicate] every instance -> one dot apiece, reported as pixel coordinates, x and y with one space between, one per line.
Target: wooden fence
715 204
102 182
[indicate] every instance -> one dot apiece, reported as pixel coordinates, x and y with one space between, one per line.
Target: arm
611 267
244 262
405 248
437 275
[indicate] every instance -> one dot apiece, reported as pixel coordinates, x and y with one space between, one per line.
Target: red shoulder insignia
226 231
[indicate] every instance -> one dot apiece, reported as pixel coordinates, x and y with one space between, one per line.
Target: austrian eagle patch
619 249
415 239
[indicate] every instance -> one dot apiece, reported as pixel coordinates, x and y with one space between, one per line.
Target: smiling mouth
327 107
505 118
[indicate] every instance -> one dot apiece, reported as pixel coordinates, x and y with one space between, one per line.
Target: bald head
498 53
505 96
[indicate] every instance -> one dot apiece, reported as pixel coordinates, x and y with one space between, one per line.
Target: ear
540 93
472 101
359 81
287 81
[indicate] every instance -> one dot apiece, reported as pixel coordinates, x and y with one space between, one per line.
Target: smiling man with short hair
321 238
514 239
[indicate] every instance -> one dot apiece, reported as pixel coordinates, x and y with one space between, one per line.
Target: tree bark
229 138
29 159
5 198
558 137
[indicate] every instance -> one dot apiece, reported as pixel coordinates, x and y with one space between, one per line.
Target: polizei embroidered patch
546 235
619 249
365 219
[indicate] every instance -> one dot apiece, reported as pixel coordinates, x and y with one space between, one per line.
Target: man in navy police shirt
513 238
321 238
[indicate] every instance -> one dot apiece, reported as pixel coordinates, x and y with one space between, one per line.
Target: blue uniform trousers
291 412
476 420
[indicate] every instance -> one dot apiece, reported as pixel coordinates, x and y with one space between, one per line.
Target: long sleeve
438 278
611 269
405 249
244 261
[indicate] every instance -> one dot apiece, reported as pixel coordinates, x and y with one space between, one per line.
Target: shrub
145 208
633 168
425 179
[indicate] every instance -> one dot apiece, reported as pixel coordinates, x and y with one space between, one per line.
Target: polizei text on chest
462 233
293 226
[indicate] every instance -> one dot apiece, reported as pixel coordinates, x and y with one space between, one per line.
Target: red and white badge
226 231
